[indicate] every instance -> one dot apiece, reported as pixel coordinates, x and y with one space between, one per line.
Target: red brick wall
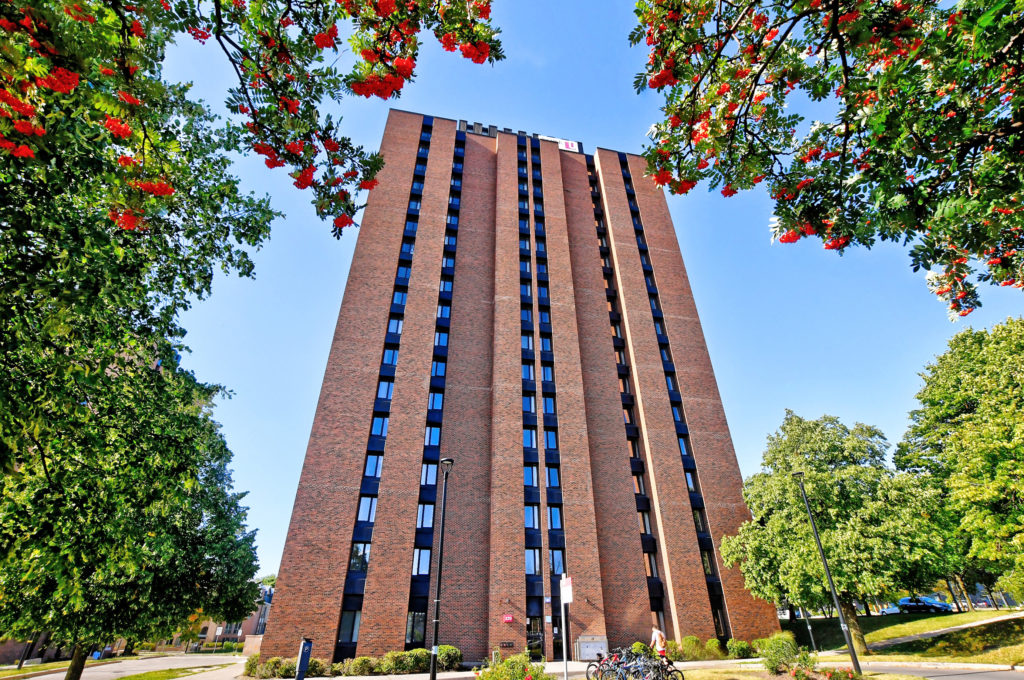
718 472
466 437
624 583
388 577
507 559
307 601
687 608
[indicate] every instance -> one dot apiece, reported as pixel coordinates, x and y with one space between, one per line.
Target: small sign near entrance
220 629
506 618
565 588
508 645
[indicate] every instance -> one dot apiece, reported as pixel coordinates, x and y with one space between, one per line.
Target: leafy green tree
268 580
968 433
918 122
876 525
126 524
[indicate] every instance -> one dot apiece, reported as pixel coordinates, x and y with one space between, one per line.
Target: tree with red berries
918 123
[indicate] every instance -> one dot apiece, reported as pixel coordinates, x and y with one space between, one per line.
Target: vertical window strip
650 558
351 608
416 634
707 552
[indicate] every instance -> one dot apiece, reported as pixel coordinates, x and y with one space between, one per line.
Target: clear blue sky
788 326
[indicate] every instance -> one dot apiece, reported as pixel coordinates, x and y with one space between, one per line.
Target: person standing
658 642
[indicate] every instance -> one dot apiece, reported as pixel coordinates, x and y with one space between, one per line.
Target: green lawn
878 628
1001 642
731 674
172 673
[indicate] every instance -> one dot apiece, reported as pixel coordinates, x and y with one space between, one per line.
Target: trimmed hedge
393 663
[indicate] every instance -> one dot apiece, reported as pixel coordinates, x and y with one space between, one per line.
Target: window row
532 516
531 475
530 438
547 372
526 315
530 404
556 561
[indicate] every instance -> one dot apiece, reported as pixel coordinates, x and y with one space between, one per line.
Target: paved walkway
114 671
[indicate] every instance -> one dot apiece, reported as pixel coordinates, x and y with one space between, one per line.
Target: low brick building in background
519 306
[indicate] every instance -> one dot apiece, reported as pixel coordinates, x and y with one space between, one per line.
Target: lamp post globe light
446 467
799 477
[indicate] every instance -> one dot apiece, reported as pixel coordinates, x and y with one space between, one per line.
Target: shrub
640 649
318 668
288 668
251 664
806 661
395 663
515 667
339 668
713 649
738 649
779 652
449 658
270 669
689 647
673 652
420 660
842 674
361 665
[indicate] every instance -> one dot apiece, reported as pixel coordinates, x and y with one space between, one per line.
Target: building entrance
535 637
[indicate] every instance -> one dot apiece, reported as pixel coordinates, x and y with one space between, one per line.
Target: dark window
627 415
638 484
452 220
540 246
398 298
549 405
359 558
394 325
698 522
408 247
691 482
448 261
385 388
435 401
530 437
708 560
437 369
367 508
557 561
677 414
554 517
529 403
624 384
547 372
542 292
542 267
444 311
526 315
428 474
414 204
665 354
390 356
529 475
545 343
527 371
634 448
425 516
450 239
545 316
645 522
531 517
550 439
524 266
421 562
524 289
670 382
379 427
651 563
440 339
373 465
415 628
524 244
526 341
432 436
655 305
659 328
349 630
616 330
532 561
403 272
553 477
445 286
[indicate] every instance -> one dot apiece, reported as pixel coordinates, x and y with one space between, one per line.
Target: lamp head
446 465
798 475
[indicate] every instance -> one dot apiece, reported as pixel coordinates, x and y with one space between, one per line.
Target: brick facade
514 210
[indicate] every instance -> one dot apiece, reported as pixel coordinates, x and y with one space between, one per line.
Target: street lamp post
446 467
799 477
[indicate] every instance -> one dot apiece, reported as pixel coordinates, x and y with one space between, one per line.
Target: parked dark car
922 604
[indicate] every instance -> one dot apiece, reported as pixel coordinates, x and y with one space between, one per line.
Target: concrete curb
937 664
51 671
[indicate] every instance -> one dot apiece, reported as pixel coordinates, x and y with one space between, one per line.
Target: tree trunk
867 608
952 594
792 613
856 634
77 663
991 597
129 648
967 593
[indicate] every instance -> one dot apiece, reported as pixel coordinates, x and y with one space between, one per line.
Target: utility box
589 646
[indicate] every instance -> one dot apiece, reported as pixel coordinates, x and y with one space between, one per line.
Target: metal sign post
565 592
305 650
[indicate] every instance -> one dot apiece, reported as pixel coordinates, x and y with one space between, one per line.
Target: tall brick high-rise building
522 307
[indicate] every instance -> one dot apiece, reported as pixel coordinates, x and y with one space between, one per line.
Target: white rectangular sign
565 586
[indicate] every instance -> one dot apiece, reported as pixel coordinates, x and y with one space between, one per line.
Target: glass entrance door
535 637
